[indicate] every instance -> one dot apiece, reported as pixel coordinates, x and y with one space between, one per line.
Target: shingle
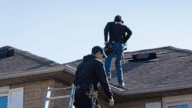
22 61
173 66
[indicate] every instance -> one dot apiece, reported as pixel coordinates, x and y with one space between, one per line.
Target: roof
22 61
172 68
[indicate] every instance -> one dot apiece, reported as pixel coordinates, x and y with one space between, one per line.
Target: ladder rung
58 97
51 89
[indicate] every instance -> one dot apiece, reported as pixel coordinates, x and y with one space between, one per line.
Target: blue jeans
118 50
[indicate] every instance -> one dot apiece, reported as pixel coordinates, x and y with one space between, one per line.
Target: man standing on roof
117 32
90 72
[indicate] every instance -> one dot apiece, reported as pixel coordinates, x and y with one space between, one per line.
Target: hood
88 57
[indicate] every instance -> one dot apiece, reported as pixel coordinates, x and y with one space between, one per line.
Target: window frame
168 104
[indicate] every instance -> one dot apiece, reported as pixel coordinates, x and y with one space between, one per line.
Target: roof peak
163 48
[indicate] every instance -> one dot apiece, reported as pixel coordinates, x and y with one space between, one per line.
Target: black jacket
117 32
91 71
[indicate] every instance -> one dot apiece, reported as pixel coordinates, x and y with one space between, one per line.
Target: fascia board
33 72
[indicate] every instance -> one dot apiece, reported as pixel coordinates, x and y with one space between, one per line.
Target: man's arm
102 78
129 33
77 73
106 31
75 78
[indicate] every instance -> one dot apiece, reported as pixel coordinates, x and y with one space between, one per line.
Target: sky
66 30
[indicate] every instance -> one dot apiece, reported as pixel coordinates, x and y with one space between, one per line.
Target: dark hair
96 53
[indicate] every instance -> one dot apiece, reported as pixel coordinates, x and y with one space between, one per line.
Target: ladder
71 96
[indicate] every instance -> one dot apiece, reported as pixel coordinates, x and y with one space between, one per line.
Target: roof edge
34 72
157 89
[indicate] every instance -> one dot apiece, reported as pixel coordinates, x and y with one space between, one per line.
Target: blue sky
66 30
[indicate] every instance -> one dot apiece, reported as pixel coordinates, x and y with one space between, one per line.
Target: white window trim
166 105
14 92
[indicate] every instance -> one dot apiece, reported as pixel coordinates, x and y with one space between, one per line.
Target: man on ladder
88 74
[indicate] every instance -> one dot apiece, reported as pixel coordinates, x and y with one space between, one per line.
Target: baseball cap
118 18
97 49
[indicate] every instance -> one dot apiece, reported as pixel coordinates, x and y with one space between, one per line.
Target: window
179 106
4 92
3 102
185 104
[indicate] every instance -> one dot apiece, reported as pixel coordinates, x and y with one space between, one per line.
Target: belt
115 42
83 86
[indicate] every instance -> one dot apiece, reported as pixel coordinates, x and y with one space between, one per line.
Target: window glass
179 106
3 102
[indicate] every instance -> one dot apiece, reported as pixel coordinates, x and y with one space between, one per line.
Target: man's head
118 18
98 52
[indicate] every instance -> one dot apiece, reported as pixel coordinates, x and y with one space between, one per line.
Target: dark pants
118 51
81 99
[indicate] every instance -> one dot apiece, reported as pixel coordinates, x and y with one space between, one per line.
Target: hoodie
91 71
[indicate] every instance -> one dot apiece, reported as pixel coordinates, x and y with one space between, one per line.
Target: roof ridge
166 47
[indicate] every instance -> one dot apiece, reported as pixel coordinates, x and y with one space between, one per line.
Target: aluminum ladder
71 96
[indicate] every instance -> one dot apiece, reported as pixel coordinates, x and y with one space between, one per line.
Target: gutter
33 72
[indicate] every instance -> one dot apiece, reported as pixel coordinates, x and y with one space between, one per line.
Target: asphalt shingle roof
173 66
22 61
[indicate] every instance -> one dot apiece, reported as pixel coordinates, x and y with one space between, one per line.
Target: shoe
97 106
121 85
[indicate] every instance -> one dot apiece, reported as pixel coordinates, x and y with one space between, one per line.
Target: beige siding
177 98
61 103
137 103
34 93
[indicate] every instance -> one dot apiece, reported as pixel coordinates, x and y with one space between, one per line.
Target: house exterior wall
177 100
137 103
34 96
35 93
131 104
61 103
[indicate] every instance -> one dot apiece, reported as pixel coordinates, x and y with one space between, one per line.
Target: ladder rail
48 96
59 97
51 89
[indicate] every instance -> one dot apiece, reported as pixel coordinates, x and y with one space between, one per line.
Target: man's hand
111 102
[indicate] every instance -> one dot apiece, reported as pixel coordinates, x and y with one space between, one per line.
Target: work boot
121 85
